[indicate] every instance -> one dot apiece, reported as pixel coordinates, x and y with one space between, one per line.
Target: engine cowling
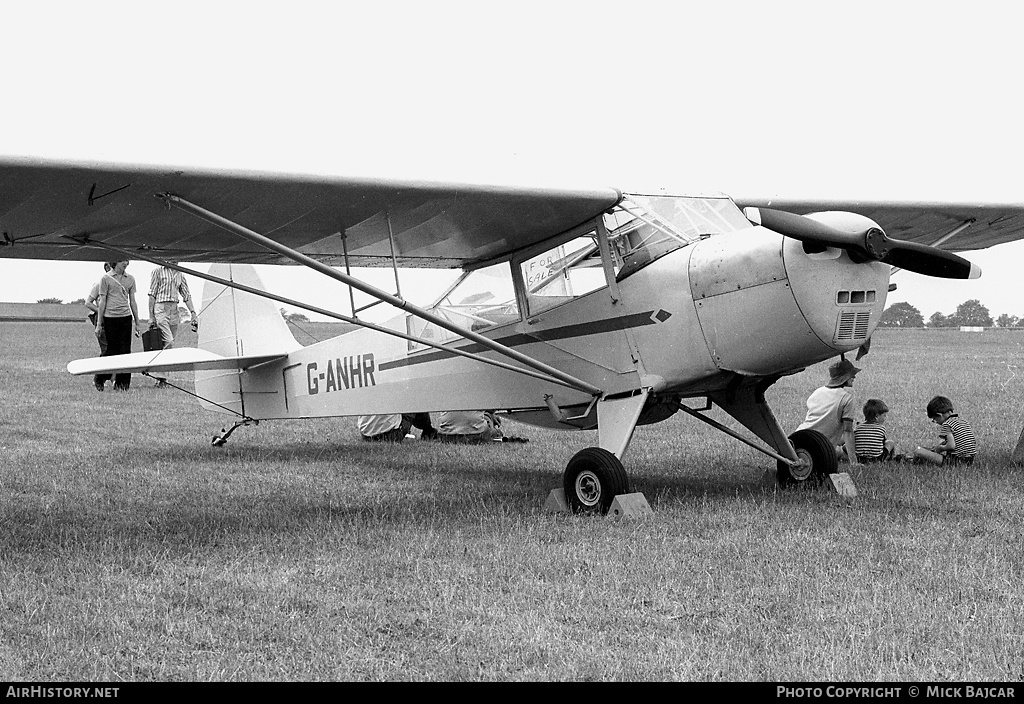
768 304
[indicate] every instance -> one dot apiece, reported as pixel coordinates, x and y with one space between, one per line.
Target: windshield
642 229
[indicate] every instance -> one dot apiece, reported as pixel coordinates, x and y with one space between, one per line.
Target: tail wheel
817 458
593 478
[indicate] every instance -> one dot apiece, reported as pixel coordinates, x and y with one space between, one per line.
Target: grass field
132 550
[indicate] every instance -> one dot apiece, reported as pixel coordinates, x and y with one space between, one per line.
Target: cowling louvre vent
853 325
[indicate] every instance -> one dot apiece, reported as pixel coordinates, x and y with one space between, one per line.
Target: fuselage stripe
594 327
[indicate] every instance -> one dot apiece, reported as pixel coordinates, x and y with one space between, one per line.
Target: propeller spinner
870 243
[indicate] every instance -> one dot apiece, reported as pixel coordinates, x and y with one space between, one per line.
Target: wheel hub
803 469
588 488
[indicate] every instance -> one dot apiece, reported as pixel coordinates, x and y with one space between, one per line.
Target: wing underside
53 210
49 209
955 227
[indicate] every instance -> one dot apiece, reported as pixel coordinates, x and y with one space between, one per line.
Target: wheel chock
843 485
1017 456
630 505
556 502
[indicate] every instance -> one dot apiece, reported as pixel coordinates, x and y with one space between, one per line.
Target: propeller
870 243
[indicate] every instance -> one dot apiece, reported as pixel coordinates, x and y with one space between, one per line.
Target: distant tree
49 300
293 317
76 302
938 320
1007 321
972 312
901 315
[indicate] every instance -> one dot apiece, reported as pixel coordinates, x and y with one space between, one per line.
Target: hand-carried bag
152 340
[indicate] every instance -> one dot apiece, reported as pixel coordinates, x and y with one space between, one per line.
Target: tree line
57 300
969 313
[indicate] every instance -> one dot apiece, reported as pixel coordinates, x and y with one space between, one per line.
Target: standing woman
117 318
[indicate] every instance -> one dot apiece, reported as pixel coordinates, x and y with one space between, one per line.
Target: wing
185 359
47 209
955 226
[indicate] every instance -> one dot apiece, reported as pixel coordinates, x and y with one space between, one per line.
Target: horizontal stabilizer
185 359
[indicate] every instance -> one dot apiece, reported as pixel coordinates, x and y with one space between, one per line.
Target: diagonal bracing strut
133 254
395 301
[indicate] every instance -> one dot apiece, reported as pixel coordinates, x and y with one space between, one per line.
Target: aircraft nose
841 300
766 305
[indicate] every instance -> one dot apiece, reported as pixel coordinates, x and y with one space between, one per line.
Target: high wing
48 209
955 227
51 210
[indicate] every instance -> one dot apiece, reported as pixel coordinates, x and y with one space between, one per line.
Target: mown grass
132 550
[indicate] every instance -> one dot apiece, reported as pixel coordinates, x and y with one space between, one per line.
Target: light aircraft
576 308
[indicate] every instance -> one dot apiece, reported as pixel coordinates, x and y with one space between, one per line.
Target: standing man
165 285
90 303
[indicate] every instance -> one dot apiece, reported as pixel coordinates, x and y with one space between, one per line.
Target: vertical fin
235 323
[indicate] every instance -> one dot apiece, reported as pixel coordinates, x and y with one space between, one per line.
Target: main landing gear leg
595 475
804 456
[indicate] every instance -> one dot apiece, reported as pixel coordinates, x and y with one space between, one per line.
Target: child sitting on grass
869 437
957 444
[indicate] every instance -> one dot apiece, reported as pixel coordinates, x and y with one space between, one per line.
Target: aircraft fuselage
749 303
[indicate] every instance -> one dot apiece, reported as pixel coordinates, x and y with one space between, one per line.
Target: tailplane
240 334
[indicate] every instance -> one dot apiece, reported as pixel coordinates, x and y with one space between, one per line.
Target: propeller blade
802 228
930 261
870 243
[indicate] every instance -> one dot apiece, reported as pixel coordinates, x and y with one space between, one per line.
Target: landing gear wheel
593 478
817 459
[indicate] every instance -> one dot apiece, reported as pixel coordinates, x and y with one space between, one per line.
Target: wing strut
395 301
133 254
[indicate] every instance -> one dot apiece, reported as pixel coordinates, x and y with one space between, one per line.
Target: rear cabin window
479 300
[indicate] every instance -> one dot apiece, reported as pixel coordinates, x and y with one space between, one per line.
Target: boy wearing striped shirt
957 444
869 437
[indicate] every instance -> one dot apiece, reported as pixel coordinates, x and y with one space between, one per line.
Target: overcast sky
885 100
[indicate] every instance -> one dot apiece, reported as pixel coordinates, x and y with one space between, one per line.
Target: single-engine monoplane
575 309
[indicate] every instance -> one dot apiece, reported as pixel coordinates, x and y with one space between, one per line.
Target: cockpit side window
563 273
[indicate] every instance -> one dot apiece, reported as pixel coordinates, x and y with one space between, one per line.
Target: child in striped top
957 443
870 438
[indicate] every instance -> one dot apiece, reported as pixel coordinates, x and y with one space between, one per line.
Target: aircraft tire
821 459
592 480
